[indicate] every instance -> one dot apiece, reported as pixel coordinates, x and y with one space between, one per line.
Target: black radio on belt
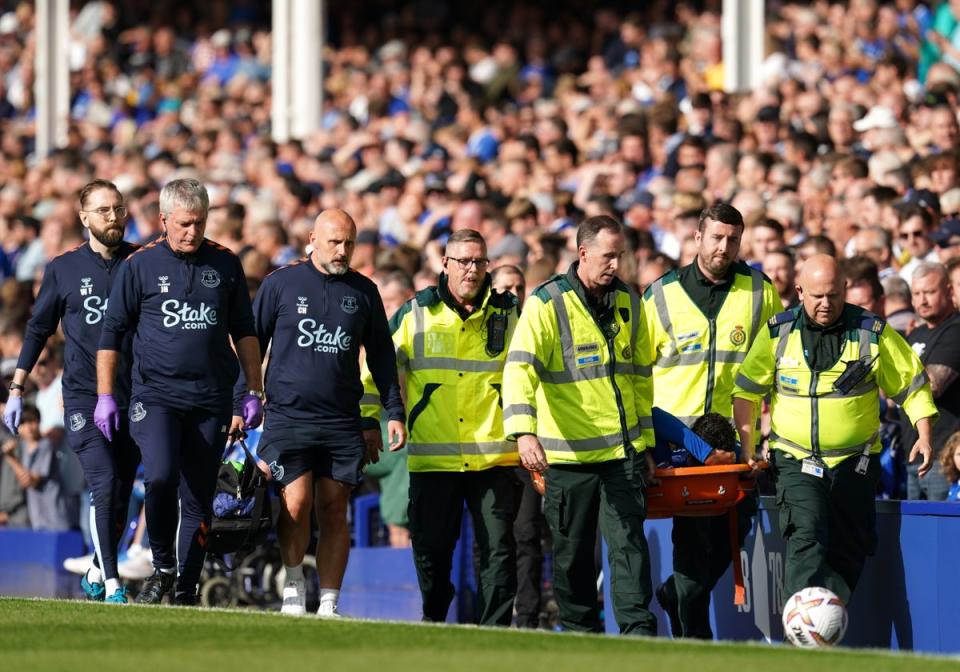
496 333
853 375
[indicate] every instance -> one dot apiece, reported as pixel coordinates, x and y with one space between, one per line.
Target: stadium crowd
504 118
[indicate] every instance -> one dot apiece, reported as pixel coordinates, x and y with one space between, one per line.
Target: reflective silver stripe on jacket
918 381
457 449
832 452
593 443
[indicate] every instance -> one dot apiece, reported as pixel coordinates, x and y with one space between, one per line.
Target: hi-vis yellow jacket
453 379
695 360
585 394
807 415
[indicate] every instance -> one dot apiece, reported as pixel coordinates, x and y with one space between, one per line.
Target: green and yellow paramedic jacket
582 389
797 362
453 380
699 333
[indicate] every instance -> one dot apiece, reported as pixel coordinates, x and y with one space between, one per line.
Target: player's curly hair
716 430
946 458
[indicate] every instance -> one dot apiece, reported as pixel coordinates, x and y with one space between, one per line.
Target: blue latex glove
252 412
12 413
106 416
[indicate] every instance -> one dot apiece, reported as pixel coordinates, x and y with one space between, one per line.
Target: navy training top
75 290
316 323
182 310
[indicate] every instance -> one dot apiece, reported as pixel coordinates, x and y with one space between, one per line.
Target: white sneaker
294 598
138 564
78 565
328 609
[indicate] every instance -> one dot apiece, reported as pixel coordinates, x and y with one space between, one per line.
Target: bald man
317 313
823 364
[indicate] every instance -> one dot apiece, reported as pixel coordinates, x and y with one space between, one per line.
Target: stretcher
705 491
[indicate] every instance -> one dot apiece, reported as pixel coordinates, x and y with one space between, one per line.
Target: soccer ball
814 618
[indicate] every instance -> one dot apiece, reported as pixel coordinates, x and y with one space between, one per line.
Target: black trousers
579 497
437 499
830 523
528 529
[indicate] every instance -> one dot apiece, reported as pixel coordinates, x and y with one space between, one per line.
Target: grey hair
188 193
896 287
926 268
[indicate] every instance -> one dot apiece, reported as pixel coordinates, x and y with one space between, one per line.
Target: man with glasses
74 293
451 343
916 225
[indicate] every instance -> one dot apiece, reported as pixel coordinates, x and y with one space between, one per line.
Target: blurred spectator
898 304
13 495
35 462
916 227
950 464
937 343
779 265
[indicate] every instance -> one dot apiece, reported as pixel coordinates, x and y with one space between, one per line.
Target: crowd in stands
515 119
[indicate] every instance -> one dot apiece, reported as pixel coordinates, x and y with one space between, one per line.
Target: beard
108 235
716 265
336 267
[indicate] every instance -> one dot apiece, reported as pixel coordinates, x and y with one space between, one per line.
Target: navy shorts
291 452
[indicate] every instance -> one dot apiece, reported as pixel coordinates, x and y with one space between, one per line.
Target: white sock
94 575
113 585
294 573
329 595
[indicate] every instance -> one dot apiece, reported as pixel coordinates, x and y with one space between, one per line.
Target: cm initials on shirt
185 315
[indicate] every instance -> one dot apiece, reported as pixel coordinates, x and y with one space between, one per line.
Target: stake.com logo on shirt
321 339
183 314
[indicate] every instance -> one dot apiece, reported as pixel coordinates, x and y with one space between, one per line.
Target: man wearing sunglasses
916 226
451 343
74 292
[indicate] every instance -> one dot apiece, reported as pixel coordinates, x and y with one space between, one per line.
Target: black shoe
671 607
155 587
185 599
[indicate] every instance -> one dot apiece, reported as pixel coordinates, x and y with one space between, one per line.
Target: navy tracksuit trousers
182 451
109 468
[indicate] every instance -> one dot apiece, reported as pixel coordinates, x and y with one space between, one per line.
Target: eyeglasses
120 211
466 264
907 235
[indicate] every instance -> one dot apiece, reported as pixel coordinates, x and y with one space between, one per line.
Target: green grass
76 637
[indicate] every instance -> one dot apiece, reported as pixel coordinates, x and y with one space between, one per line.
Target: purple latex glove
252 412
12 413
106 416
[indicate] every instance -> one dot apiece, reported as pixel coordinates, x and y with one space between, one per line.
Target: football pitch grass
79 637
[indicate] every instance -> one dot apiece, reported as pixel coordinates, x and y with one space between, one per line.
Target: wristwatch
256 393
15 386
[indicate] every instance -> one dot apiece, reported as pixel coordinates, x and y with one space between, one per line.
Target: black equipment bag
241 508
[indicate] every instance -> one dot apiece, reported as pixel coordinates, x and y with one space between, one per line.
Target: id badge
812 467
